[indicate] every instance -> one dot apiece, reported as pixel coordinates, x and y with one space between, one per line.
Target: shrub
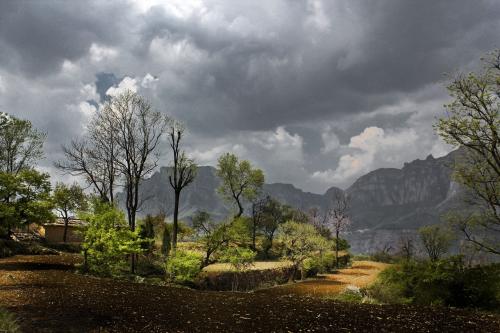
240 258
8 322
184 266
440 282
108 241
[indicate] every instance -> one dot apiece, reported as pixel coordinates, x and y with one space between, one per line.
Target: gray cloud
281 82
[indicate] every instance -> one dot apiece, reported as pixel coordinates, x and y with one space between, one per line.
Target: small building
54 232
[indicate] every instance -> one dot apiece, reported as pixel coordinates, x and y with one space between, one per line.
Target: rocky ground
47 296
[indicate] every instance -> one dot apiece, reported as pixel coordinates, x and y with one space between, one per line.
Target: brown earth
48 297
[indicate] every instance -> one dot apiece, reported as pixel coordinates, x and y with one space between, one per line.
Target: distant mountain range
385 202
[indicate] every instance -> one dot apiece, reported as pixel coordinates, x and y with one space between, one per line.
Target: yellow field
258 265
361 274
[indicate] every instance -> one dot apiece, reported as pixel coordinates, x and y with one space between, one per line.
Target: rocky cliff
385 202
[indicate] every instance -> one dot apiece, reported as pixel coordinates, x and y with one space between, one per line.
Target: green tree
299 242
21 145
182 172
472 122
240 180
67 200
436 240
275 214
211 235
108 240
147 233
24 199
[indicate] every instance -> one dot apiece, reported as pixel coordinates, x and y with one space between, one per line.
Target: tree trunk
66 222
337 248
176 222
240 209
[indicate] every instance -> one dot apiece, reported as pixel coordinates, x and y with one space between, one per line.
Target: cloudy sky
314 92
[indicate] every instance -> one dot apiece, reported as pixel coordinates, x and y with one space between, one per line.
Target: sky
316 93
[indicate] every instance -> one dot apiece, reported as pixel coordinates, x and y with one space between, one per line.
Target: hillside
385 202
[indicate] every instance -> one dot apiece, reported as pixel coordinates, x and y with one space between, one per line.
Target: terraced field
47 296
360 275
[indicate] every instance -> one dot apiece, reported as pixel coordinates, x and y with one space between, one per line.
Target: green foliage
436 240
442 282
69 199
108 240
24 199
472 122
300 241
343 244
21 145
211 236
166 240
240 180
147 233
240 258
8 323
184 266
240 231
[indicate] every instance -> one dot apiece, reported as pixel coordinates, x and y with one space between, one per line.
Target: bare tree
95 156
138 130
436 240
407 246
338 217
182 172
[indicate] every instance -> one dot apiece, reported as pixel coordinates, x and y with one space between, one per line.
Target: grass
8 322
258 265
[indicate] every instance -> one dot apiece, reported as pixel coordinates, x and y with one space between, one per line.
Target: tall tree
275 214
67 200
257 217
21 145
182 172
240 180
338 217
472 122
138 130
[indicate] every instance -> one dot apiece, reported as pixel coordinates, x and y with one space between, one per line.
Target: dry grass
361 274
258 265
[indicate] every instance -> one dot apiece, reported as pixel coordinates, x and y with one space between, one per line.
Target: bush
184 266
108 241
8 322
442 282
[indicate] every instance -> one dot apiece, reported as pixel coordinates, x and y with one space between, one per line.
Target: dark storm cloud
37 36
296 75
236 71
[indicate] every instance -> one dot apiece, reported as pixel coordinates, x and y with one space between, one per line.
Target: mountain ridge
384 202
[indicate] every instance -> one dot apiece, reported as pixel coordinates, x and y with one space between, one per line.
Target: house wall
55 233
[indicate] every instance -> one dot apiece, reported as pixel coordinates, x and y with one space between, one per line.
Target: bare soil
47 296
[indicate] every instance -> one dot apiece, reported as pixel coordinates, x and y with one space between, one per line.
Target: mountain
385 202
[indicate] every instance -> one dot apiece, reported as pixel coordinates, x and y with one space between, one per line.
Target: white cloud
149 81
373 148
127 83
3 88
330 141
99 53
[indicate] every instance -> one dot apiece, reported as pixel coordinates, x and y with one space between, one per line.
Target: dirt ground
48 297
361 274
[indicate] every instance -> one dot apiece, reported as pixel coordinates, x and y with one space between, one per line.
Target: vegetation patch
8 322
